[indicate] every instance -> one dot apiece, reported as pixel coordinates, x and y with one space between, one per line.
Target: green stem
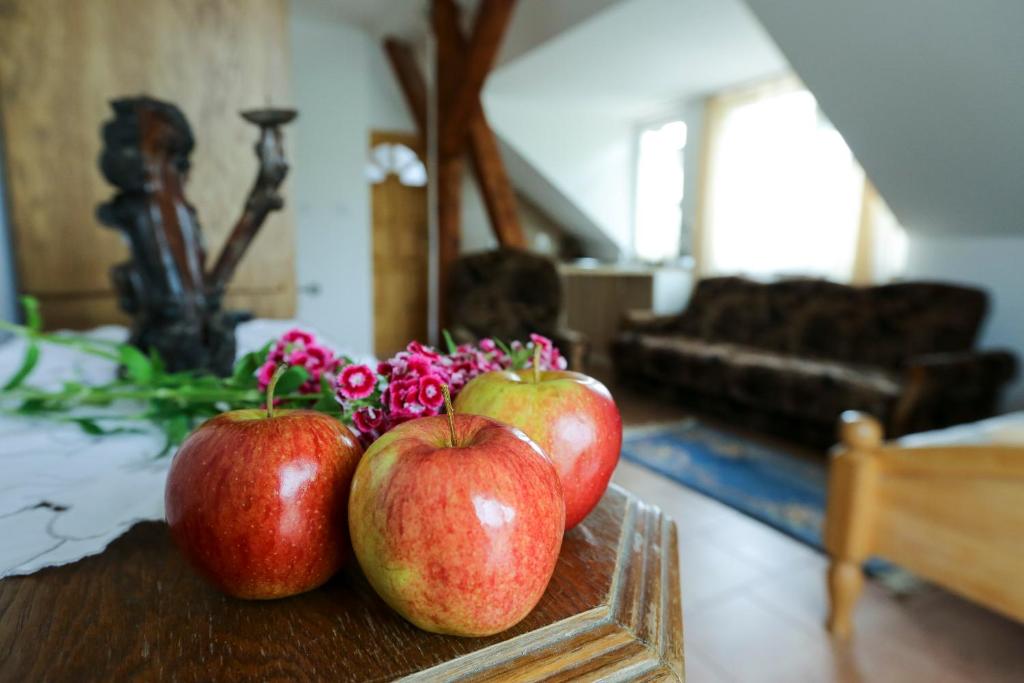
281 369
94 395
95 347
454 440
536 364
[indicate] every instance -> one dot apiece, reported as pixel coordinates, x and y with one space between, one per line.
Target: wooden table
612 611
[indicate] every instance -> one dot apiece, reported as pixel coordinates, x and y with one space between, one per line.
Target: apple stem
451 413
536 363
271 385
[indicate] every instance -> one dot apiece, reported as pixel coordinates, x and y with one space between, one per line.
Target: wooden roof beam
478 57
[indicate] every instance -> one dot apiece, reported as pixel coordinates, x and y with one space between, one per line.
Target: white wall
586 154
343 90
993 263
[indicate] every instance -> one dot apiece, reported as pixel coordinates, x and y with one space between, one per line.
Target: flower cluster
408 385
403 387
299 348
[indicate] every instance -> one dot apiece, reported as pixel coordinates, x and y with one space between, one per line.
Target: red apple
459 539
258 504
571 416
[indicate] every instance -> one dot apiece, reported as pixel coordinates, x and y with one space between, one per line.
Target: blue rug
775 487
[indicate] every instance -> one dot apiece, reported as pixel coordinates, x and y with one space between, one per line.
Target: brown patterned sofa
791 356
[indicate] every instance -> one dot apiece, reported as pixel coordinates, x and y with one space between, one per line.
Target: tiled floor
754 603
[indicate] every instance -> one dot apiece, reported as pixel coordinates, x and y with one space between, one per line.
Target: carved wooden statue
167 287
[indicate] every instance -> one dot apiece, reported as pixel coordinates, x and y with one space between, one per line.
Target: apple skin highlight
258 504
460 539
571 416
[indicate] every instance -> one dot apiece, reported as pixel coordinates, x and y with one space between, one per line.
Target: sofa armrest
646 321
940 389
965 370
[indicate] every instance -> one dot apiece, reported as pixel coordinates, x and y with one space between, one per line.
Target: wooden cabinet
62 62
597 297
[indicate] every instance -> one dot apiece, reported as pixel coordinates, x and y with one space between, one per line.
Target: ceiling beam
484 152
460 70
410 80
478 57
448 164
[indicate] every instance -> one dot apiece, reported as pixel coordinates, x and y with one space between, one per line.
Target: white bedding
1004 430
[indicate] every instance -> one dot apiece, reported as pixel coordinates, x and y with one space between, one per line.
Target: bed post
849 521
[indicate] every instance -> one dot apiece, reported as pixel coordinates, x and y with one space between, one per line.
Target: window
784 194
658 216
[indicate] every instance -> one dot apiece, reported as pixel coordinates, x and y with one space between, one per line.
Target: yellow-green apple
571 416
257 500
457 523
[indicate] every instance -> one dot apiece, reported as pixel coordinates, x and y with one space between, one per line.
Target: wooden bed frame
953 515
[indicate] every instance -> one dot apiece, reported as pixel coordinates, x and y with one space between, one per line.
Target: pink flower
419 364
296 335
368 420
419 349
543 342
397 392
356 381
298 348
430 392
264 374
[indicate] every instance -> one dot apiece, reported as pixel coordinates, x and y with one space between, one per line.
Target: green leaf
159 367
244 374
449 342
32 406
28 363
177 428
136 364
33 319
293 378
504 347
89 426
327 404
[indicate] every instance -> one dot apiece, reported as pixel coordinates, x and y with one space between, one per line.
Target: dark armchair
507 294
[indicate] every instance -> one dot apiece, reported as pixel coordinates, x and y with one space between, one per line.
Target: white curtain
783 195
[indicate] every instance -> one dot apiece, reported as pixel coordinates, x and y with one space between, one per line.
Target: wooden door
61 62
400 253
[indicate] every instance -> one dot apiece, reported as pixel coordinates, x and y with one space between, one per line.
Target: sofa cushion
767 380
809 387
683 361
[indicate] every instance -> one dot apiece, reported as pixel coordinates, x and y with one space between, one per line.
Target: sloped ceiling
639 54
929 95
570 107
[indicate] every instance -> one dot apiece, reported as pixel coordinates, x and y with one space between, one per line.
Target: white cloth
1002 430
64 494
